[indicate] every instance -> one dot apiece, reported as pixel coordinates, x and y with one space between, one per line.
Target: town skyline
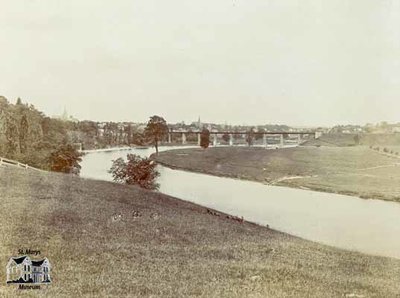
313 65
71 116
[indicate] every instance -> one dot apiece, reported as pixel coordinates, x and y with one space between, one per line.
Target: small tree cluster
226 137
136 170
250 137
66 160
205 138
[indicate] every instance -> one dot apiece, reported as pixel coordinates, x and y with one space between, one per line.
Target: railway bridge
278 135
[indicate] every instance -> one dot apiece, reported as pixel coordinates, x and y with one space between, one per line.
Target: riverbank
111 149
356 171
105 239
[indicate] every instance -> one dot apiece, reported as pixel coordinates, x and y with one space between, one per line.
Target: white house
24 270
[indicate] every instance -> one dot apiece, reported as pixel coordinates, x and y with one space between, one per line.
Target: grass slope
357 171
174 249
366 139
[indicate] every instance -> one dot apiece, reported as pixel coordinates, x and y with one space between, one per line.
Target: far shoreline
169 159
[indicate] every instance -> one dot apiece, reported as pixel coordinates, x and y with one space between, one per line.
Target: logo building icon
22 270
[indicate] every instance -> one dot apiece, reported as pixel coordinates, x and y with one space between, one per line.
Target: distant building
199 125
66 117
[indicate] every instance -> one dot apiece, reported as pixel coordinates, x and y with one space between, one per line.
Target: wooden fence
8 162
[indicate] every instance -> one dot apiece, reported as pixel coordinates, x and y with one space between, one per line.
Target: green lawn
358 170
174 249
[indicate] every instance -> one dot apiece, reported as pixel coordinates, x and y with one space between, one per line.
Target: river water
369 226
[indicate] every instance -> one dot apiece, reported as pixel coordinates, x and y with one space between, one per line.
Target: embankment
110 240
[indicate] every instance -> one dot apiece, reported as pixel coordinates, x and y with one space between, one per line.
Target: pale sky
304 62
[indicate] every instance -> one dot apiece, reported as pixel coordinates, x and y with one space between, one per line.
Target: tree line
29 136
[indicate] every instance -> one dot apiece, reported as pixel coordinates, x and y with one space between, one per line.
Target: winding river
369 226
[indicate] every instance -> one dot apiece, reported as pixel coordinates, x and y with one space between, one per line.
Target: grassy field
357 171
99 248
365 139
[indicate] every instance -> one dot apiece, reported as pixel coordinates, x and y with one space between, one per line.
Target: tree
259 135
156 130
66 160
205 138
12 136
23 134
137 170
129 134
250 137
226 137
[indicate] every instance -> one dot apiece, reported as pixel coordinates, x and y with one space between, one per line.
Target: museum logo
28 273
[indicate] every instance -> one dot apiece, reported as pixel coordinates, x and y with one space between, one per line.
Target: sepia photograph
182 148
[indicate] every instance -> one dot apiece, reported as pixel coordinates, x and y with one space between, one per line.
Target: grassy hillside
357 171
344 140
98 247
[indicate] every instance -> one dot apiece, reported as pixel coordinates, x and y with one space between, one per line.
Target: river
369 226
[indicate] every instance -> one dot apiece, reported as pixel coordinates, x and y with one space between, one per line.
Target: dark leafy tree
136 170
250 137
12 136
156 130
108 134
139 139
23 134
259 135
66 160
129 134
226 137
205 138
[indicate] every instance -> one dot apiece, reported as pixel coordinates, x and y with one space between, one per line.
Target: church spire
65 114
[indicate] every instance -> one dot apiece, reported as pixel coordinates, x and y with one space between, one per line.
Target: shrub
137 170
66 160
205 138
250 137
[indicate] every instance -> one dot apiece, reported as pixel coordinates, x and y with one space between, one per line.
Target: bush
205 138
250 137
66 160
137 170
